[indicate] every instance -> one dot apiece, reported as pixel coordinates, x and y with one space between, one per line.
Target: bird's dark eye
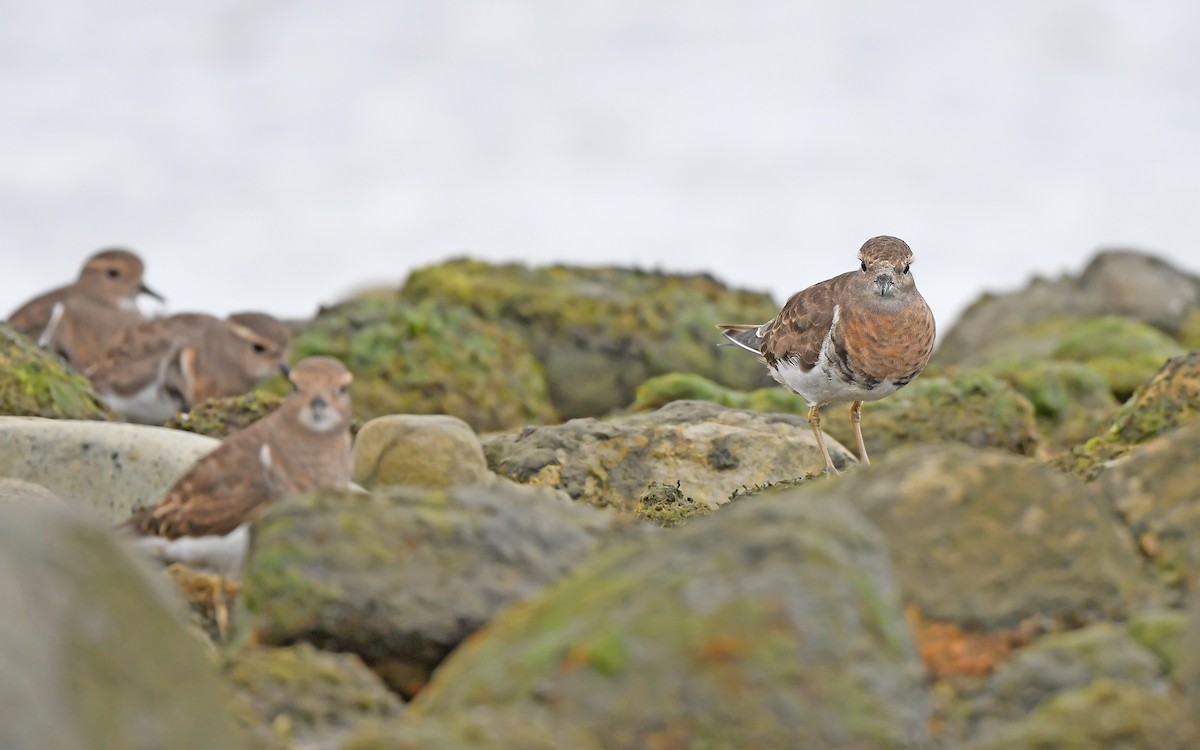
259 348
864 265
906 267
113 273
344 389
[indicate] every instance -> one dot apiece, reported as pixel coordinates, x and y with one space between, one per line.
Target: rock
714 450
419 450
35 383
599 332
1072 402
1052 666
108 468
305 698
1162 632
990 549
1124 352
665 505
1189 333
483 728
1123 283
221 417
94 654
1156 490
20 491
774 623
970 407
428 358
1104 715
402 578
1169 399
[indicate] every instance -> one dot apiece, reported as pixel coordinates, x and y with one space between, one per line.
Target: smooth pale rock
20 491
773 623
93 653
419 450
710 449
403 576
108 468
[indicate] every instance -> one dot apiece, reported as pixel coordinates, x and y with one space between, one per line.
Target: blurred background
277 155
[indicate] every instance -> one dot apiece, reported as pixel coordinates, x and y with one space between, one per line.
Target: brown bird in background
80 320
857 337
302 446
165 366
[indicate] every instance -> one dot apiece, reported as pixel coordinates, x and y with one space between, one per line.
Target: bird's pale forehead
317 372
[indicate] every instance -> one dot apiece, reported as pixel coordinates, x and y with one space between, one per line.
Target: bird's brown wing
222 491
139 349
798 331
31 318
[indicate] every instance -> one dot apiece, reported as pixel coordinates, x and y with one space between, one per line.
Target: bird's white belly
148 406
822 384
221 554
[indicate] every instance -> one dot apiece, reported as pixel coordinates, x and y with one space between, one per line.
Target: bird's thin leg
814 421
221 609
856 419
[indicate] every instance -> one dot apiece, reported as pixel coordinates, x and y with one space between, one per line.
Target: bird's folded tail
745 336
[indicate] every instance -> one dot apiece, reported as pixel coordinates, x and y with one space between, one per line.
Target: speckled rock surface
20 491
302 698
710 449
35 383
108 468
94 653
419 450
773 623
402 578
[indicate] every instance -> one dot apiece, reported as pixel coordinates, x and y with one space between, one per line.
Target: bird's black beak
143 289
885 282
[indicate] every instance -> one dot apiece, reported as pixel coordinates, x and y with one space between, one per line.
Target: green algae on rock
990 541
1072 401
968 407
1169 399
430 358
482 728
299 696
35 383
1156 490
401 577
600 332
774 623
221 417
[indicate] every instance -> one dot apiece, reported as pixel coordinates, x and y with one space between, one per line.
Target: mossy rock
301 697
1169 399
221 417
35 383
600 332
1189 333
430 358
1156 490
482 728
773 623
665 505
972 408
1072 401
1105 715
1124 352
1163 633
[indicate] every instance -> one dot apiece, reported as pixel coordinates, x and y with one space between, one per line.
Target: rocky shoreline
663 569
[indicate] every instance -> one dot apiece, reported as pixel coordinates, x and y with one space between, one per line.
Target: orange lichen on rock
949 650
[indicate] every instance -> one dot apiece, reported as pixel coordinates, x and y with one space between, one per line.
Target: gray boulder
93 653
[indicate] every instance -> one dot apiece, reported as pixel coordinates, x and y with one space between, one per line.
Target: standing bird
302 446
165 366
80 320
857 337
